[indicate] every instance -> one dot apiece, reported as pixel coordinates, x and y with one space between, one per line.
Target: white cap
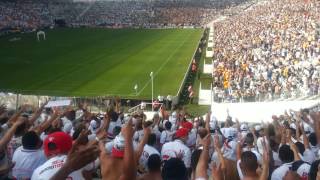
119 142
307 128
244 127
230 132
67 128
213 122
293 126
257 127
303 170
93 126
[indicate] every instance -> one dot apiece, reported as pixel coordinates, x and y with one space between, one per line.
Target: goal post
41 33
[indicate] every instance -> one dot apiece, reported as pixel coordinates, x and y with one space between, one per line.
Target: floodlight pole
151 76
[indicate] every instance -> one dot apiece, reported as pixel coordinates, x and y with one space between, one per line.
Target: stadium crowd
269 51
73 143
35 14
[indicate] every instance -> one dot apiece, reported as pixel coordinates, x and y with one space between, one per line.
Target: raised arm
37 114
238 125
305 139
138 152
129 164
266 160
202 166
316 117
15 117
208 122
9 134
217 148
238 151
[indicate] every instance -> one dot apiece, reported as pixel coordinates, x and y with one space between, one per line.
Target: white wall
257 111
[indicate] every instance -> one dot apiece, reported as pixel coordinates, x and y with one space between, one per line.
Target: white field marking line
162 65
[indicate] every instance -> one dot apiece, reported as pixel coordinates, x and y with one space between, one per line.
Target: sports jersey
14 143
26 161
302 168
166 136
50 167
176 149
147 151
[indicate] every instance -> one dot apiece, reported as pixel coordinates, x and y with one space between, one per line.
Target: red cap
62 142
117 153
182 132
187 125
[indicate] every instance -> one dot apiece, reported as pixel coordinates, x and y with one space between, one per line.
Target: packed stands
267 52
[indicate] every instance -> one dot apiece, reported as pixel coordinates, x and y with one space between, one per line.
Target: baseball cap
244 127
93 126
258 128
118 146
301 167
67 128
61 141
293 126
182 132
187 125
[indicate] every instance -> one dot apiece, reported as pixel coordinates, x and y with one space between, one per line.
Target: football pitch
97 62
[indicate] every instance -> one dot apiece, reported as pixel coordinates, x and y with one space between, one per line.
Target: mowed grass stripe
92 62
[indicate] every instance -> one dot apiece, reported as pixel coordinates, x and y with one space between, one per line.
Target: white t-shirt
166 136
147 151
260 144
176 149
229 150
50 167
138 135
192 138
112 125
308 156
281 171
276 159
26 161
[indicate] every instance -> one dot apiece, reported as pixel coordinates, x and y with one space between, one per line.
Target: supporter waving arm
305 139
129 166
138 152
316 117
207 125
293 147
266 160
37 113
9 134
217 148
202 166
39 129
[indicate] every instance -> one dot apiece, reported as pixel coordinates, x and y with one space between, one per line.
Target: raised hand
127 129
216 171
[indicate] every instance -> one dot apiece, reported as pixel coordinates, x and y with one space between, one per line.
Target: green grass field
97 62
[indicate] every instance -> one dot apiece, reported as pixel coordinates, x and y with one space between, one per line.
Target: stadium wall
255 112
